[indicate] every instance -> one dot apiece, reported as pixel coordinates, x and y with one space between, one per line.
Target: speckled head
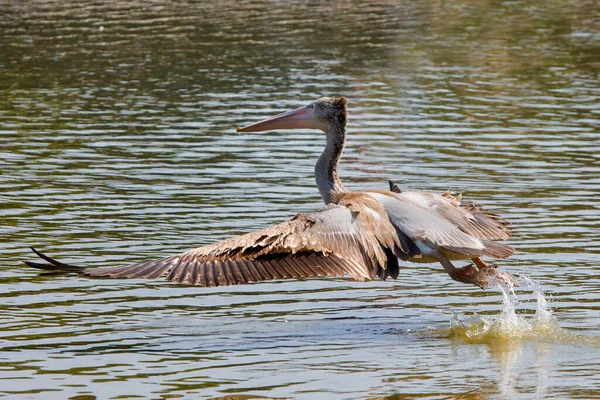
322 114
331 110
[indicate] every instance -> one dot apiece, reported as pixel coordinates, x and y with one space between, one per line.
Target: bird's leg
482 265
491 270
468 274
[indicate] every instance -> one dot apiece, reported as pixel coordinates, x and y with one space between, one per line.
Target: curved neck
326 172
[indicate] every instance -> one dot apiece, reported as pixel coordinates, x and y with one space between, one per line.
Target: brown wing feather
354 238
234 272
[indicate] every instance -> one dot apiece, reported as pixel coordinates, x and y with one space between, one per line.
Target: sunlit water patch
515 322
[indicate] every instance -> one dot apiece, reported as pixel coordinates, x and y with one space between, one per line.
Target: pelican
362 234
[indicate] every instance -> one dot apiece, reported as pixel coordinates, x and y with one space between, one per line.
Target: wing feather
354 237
469 216
362 235
429 229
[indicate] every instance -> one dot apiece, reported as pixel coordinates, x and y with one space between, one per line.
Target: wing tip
53 265
393 187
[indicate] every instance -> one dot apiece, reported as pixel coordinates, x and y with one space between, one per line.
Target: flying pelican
358 233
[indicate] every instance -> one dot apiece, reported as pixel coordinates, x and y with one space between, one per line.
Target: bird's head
320 114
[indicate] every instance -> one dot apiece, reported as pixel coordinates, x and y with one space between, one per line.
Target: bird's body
358 233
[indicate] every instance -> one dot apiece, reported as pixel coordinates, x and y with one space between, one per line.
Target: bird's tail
52 264
497 250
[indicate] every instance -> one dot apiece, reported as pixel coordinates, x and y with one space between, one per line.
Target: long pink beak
300 118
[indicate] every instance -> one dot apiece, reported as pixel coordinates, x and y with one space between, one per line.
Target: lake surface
118 144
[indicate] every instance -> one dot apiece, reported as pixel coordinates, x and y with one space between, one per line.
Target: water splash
510 326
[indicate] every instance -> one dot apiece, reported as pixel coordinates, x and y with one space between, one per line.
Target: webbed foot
503 277
470 274
491 270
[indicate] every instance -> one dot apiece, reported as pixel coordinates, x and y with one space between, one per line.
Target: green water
118 144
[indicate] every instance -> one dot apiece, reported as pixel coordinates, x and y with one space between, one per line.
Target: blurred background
118 144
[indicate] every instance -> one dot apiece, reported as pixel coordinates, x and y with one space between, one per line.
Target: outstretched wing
354 238
469 216
431 231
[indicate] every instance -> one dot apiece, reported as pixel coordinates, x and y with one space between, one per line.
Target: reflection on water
508 326
117 145
508 332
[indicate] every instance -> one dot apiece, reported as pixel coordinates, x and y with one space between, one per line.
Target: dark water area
118 144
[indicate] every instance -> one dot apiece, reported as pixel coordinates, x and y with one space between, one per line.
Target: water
117 145
509 327
512 332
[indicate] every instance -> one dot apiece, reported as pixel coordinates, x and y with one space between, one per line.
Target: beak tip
238 129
